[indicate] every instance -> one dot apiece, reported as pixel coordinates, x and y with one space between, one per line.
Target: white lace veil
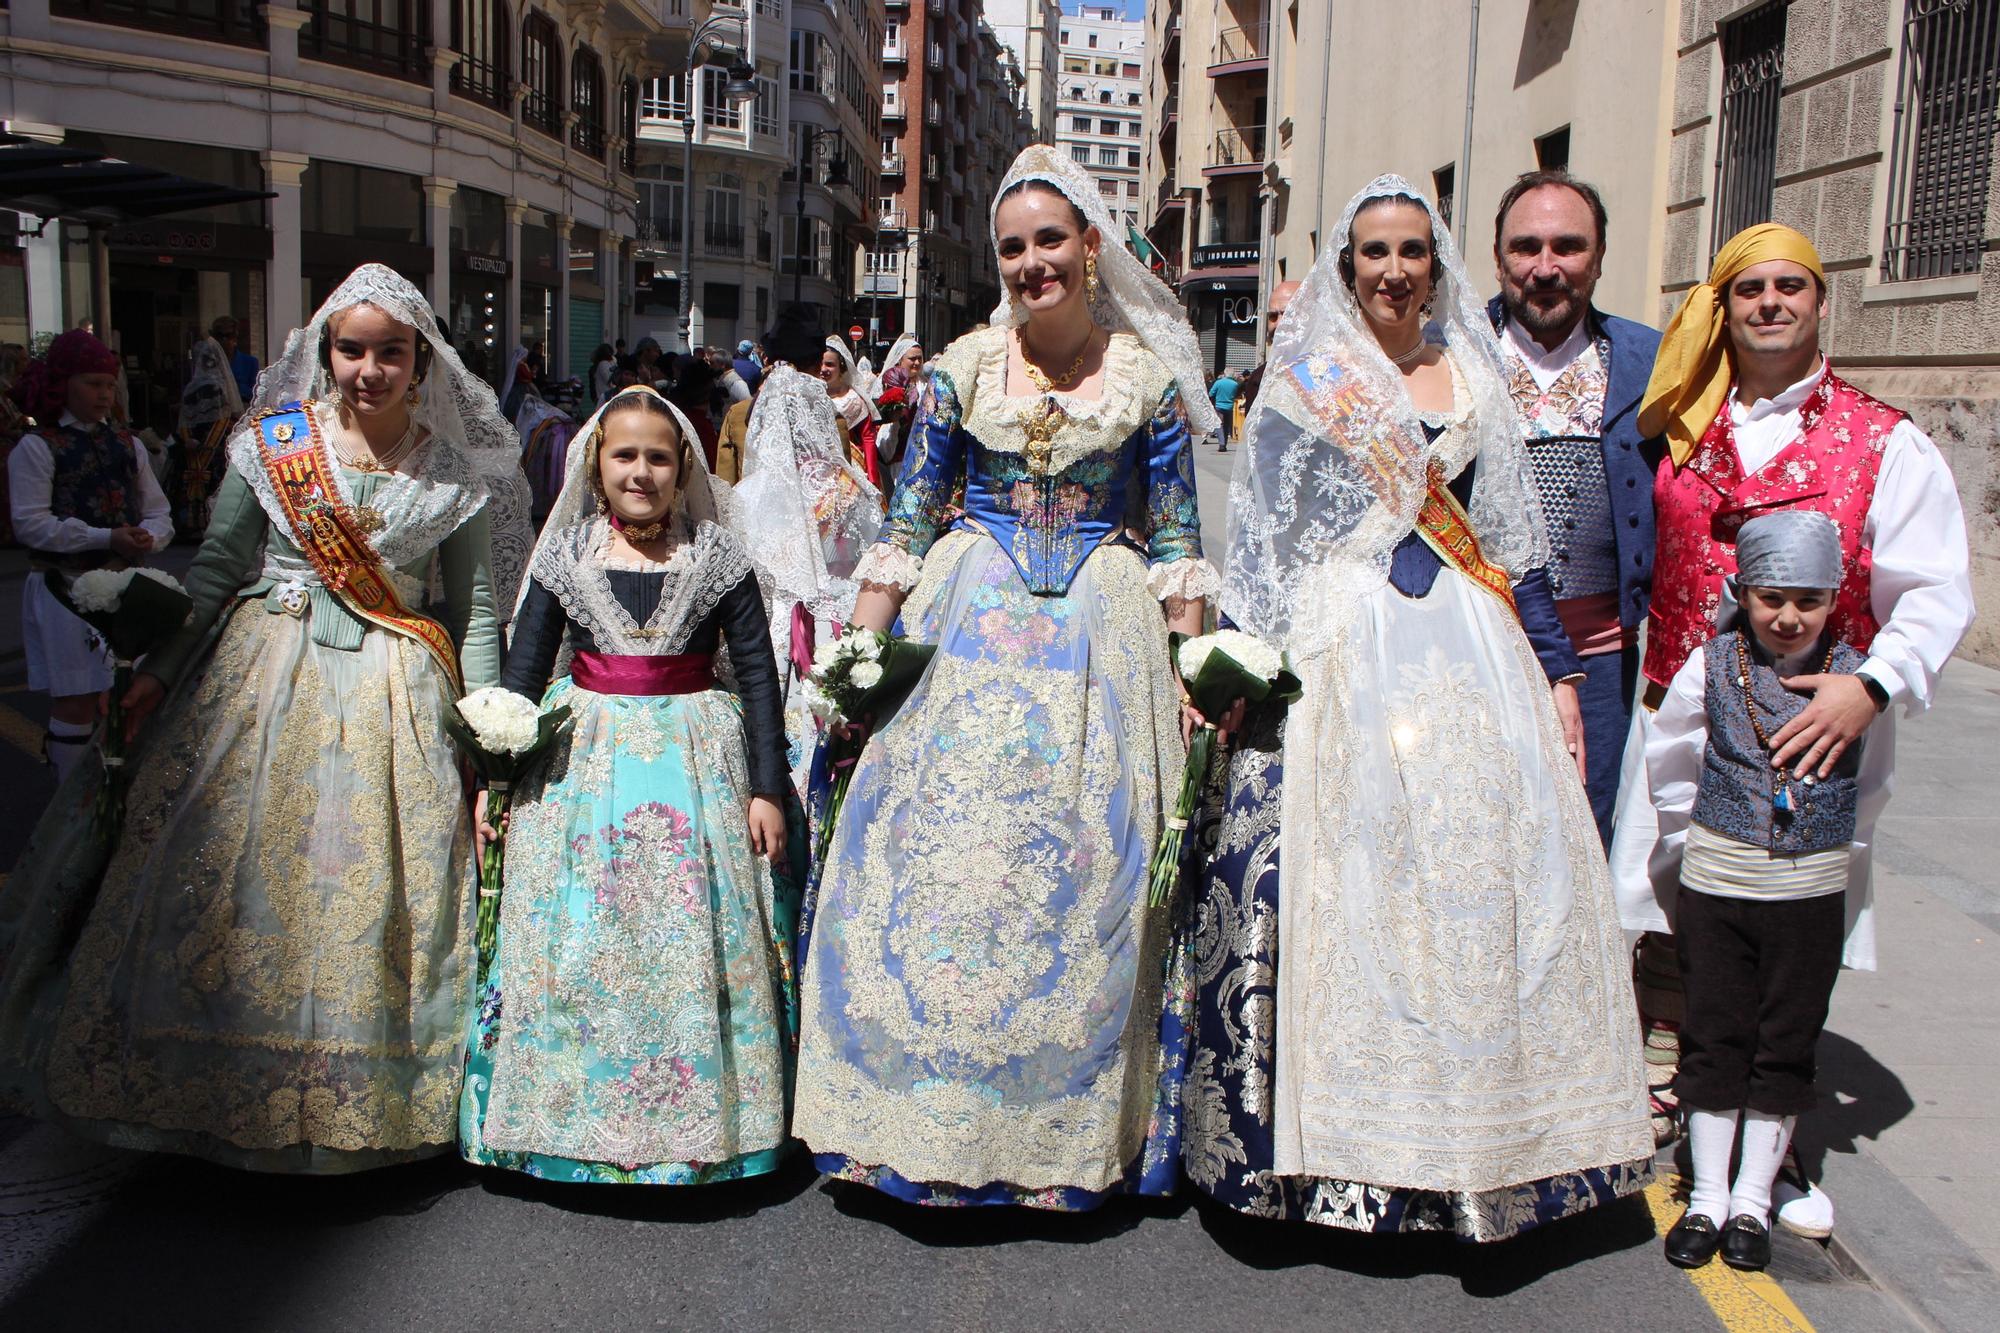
1130 299
1334 465
860 378
457 407
700 498
209 369
808 513
897 351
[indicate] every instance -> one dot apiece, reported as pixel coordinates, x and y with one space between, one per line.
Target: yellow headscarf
1692 373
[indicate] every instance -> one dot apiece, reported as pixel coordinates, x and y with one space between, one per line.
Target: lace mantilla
455 405
572 566
1334 465
419 507
1130 299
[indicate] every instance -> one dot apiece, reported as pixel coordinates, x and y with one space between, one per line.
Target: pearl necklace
1405 358
383 461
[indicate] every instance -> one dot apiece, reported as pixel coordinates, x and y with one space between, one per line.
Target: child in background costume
1763 912
638 1022
82 497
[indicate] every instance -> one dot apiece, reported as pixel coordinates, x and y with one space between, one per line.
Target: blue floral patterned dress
989 1012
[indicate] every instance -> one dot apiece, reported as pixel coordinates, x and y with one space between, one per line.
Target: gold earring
1090 276
415 397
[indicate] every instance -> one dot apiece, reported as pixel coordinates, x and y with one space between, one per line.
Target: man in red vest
1756 421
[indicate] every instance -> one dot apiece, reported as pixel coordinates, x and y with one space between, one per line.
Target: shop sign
218 240
486 264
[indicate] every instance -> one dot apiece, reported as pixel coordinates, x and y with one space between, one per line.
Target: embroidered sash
1446 530
331 535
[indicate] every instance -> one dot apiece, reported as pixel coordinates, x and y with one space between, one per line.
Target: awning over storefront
80 185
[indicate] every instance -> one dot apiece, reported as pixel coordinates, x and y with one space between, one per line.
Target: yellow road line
1744 1302
20 733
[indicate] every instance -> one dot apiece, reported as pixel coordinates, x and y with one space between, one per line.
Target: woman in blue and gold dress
990 1013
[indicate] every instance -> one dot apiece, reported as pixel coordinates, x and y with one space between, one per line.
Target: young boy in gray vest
1762 913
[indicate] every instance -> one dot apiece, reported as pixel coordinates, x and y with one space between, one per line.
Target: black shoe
1693 1241
1746 1244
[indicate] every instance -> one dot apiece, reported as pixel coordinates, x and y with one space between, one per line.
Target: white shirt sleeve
31 472
155 515
1921 585
1676 740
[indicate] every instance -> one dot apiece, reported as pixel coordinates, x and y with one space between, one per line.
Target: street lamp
813 142
706 50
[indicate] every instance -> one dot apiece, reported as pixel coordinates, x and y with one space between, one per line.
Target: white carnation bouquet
860 676
1216 670
502 734
133 611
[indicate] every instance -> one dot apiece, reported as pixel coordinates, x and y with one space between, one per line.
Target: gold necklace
642 532
381 462
1042 380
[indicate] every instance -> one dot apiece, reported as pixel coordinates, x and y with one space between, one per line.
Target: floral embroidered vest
1832 468
94 476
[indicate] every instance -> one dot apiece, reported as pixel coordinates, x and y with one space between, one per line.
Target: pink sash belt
615 673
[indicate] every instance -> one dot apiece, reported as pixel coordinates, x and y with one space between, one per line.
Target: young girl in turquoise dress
638 1020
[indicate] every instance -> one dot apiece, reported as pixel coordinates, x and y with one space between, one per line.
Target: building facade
1252 151
1100 105
1029 30
483 148
781 184
1869 126
954 115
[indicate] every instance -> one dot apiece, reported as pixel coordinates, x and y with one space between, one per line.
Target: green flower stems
499 796
1166 868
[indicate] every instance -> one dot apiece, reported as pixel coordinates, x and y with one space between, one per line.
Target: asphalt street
94 1238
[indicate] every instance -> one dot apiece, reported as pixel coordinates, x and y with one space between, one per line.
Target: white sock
68 743
1711 1138
1764 1139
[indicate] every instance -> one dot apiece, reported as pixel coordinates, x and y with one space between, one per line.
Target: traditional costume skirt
638 1021
199 461
270 974
990 1012
1414 1005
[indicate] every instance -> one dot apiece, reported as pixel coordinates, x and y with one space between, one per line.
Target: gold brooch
283 431
368 520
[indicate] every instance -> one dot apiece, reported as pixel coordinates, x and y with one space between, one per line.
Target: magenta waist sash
615 673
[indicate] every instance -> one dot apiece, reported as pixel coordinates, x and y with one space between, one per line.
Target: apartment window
1131 157
1552 150
722 230
479 31
1947 108
767 107
1106 186
1080 124
1104 96
219 20
1132 127
379 35
716 109
1079 152
1444 182
660 210
541 70
1065 37
586 96
805 69
1131 189
1131 99
1753 68
1092 41
1107 157
721 300
663 99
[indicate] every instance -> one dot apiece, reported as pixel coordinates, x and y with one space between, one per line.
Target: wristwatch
1876 691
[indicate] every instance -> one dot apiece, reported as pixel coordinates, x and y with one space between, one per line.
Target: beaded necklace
1782 798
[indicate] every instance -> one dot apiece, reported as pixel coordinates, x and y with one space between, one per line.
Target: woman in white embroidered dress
1445 1040
273 973
989 1012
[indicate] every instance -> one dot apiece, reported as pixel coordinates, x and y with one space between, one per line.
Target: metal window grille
479 35
1941 156
387 36
628 116
1753 74
586 95
221 20
541 71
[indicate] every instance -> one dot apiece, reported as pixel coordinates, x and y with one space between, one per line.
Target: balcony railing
1228 254
664 230
235 21
934 57
892 164
934 114
721 239
891 219
1238 148
1249 42
892 109
895 51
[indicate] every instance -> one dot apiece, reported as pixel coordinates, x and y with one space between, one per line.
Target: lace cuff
889 565
1186 579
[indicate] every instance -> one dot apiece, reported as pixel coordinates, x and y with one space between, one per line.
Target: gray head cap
1792 548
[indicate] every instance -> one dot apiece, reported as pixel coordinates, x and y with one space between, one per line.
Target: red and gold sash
1447 531
332 537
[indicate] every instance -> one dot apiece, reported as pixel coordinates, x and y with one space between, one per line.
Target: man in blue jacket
1577 375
